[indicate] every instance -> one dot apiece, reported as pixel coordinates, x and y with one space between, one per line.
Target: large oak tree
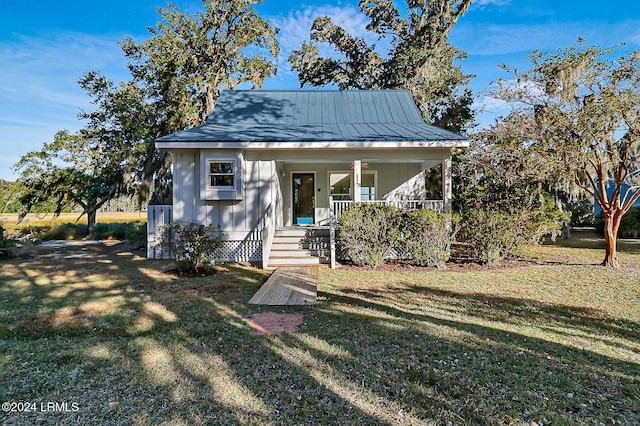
189 57
176 75
419 56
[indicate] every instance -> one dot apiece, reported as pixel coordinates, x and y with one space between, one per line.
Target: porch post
357 181
446 184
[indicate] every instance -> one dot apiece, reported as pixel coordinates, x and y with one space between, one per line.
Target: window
433 183
221 174
368 187
340 185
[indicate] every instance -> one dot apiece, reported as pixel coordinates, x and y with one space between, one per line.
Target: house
272 168
624 190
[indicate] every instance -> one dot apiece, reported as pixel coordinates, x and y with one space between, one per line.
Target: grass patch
556 343
67 226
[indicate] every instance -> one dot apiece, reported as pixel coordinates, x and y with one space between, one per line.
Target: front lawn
553 341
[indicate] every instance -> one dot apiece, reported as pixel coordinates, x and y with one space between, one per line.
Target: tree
124 126
420 58
9 196
177 73
189 58
500 197
69 171
576 113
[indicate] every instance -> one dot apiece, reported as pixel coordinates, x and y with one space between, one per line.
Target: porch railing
339 206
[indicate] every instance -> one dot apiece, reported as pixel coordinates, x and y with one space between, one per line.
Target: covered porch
311 189
299 228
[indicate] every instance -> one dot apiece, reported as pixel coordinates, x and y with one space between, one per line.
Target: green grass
70 226
555 341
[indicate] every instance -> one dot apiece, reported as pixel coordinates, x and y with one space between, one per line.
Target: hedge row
371 233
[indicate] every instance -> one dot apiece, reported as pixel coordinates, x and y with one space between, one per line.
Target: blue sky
46 46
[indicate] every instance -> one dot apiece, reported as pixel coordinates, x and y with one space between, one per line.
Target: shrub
493 235
64 231
427 237
195 246
629 224
490 235
581 212
369 232
136 234
132 231
7 245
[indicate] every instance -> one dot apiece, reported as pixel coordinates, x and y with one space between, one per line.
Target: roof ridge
312 90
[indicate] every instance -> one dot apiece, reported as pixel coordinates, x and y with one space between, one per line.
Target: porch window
368 187
221 174
340 185
433 183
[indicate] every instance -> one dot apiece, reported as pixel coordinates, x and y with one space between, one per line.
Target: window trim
212 193
231 161
376 196
346 172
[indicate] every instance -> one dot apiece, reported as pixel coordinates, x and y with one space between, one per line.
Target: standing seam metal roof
314 116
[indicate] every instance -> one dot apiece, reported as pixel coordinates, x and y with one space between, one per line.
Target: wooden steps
300 246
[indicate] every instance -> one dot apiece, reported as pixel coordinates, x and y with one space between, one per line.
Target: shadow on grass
592 240
476 349
131 344
107 330
514 310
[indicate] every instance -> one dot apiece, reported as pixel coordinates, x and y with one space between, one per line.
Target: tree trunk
611 225
91 221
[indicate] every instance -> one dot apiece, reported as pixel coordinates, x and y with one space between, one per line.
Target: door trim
315 192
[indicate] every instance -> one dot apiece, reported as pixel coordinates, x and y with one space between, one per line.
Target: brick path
271 322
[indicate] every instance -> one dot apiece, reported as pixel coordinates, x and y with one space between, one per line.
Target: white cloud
490 104
488 109
46 68
294 28
635 38
483 3
483 39
40 94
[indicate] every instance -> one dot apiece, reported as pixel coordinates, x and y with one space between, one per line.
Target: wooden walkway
289 285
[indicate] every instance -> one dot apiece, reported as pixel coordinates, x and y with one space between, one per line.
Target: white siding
241 219
390 176
266 178
240 216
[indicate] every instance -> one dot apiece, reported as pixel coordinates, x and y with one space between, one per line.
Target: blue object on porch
304 221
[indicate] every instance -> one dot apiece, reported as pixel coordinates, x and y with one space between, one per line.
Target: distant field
64 227
38 219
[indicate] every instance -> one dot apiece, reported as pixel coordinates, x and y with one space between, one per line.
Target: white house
272 167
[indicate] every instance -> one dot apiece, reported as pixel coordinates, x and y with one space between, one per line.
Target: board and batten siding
240 219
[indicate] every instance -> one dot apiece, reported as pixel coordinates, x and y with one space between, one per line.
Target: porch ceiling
350 162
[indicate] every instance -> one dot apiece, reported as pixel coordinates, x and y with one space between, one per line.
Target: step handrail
268 232
332 234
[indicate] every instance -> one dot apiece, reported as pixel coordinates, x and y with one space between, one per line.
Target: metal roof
314 116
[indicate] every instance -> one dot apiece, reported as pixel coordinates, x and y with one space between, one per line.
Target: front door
303 198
